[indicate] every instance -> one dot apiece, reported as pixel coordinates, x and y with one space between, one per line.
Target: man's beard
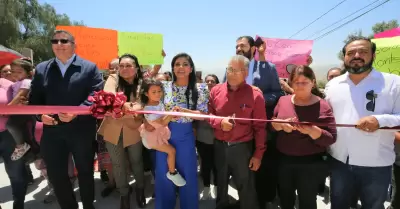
246 54
361 69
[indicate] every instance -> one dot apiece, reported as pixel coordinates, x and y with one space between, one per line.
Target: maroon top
296 143
245 102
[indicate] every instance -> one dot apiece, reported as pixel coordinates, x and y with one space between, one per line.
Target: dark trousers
371 183
56 145
16 170
267 175
20 127
207 165
304 174
396 187
233 159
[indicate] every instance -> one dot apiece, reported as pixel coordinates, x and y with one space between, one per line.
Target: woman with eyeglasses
191 97
122 134
205 148
302 148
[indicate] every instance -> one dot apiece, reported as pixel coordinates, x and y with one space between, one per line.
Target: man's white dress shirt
348 102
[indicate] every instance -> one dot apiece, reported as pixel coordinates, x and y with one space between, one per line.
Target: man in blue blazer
67 80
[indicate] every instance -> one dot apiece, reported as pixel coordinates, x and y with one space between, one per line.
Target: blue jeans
371 183
16 170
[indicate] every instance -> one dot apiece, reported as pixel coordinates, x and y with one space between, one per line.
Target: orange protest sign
94 44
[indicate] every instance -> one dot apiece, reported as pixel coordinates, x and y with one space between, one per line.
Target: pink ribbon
84 110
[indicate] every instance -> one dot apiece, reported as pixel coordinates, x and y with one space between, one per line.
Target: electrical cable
318 18
340 20
344 24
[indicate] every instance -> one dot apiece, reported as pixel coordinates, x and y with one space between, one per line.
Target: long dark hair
308 73
145 89
123 85
191 90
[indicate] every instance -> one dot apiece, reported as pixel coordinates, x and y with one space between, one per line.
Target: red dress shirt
245 102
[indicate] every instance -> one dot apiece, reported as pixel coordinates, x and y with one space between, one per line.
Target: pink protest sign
282 52
388 34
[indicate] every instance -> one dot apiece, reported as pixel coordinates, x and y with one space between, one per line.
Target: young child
151 95
17 125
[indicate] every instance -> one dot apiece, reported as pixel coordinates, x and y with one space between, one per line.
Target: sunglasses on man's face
371 96
62 41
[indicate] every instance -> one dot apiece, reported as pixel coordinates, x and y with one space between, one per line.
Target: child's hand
176 109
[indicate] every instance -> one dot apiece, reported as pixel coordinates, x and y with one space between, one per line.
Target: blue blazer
81 79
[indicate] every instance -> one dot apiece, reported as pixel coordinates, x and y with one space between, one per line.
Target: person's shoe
125 202
107 191
205 194
140 198
214 192
104 177
20 151
176 178
51 197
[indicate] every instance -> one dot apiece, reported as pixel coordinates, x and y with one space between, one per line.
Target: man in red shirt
235 139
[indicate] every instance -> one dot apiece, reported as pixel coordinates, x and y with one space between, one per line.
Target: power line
333 30
318 18
341 20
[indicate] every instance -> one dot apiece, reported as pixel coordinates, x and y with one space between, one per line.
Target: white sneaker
214 192
177 179
205 194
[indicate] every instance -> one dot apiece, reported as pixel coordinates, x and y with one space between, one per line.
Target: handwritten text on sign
146 46
282 52
95 44
387 55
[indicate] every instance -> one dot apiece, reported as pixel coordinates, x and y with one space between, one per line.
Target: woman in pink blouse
302 166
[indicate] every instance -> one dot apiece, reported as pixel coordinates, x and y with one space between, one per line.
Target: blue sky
207 29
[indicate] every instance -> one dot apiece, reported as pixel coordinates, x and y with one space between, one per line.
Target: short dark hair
248 38
70 36
332 69
214 76
359 38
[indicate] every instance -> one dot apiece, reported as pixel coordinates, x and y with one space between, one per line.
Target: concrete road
37 192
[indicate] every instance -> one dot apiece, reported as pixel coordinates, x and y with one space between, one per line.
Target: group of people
267 161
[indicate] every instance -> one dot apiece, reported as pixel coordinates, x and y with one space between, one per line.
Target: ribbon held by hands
106 103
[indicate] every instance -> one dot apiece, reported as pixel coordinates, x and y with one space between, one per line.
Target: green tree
321 84
377 28
28 24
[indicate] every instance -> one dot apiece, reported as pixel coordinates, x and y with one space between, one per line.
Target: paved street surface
37 192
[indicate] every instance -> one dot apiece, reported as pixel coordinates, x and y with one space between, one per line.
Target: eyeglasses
62 41
371 96
234 71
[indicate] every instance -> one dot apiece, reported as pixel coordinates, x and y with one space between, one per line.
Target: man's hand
66 117
309 60
226 124
261 49
254 164
368 124
163 53
48 120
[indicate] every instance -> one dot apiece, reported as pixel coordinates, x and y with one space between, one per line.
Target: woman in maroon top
302 166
